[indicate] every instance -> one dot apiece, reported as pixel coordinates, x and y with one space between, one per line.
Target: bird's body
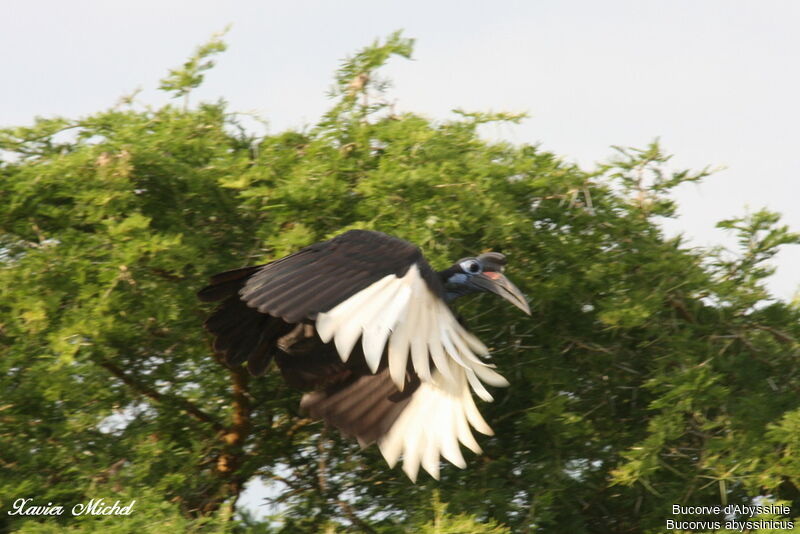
406 385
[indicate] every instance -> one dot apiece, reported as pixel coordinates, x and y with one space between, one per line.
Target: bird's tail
242 333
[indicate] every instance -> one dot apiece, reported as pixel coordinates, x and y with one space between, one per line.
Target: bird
408 384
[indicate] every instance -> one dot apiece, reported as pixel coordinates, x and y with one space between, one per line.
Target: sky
716 81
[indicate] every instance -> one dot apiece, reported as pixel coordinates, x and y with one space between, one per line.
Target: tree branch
680 307
231 461
151 393
779 336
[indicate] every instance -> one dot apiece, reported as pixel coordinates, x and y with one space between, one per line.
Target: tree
651 373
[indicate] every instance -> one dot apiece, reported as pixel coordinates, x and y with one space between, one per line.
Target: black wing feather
282 298
322 275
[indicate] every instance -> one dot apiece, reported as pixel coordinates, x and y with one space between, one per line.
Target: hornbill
407 384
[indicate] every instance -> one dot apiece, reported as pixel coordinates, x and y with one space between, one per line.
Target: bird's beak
498 284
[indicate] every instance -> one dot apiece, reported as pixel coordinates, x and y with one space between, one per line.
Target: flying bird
407 384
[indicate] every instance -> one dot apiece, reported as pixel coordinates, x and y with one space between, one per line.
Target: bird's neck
451 294
452 288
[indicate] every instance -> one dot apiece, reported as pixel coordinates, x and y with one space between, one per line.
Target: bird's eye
471 266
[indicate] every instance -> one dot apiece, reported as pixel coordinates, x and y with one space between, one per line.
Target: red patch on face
492 274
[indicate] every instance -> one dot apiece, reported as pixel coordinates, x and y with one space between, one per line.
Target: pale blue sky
718 80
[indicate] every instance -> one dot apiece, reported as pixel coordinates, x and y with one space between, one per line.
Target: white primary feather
475 343
437 353
398 358
477 386
487 374
377 320
419 345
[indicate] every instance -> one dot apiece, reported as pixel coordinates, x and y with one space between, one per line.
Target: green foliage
371 58
151 514
444 523
183 80
759 238
650 374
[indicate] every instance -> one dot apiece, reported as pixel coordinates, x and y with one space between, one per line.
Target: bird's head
482 274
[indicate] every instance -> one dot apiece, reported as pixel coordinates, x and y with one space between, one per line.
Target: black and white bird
406 385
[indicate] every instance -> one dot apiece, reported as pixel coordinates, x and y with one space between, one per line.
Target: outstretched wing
323 275
372 286
379 289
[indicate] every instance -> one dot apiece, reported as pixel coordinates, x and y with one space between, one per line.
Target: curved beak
498 284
